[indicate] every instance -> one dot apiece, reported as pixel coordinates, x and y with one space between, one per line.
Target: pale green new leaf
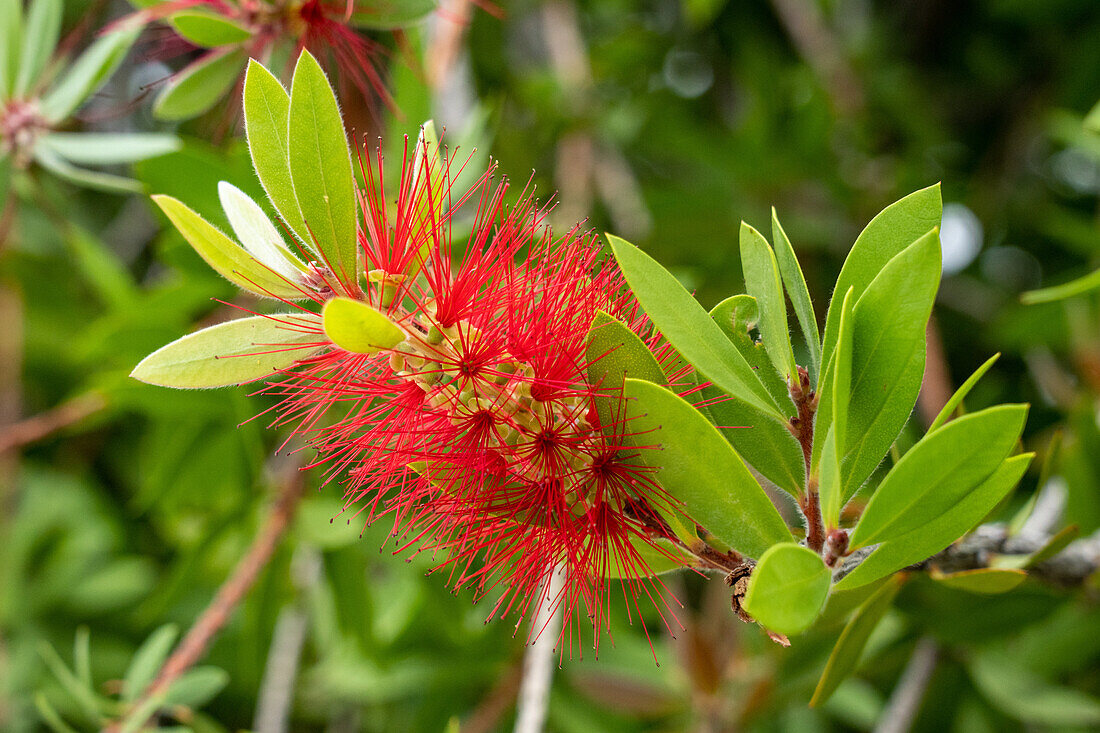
357 327
11 42
689 328
717 491
961 393
899 552
109 148
266 111
199 86
98 180
787 588
147 661
1081 285
234 352
197 686
39 40
795 283
762 282
87 74
207 29
228 258
257 234
320 167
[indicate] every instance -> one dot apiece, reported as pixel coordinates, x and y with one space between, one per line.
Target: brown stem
194 645
39 426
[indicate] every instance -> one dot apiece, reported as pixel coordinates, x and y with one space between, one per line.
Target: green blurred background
666 122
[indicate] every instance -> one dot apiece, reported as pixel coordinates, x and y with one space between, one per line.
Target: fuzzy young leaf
849 647
320 167
795 283
899 552
234 352
718 492
207 29
228 258
787 588
257 234
763 283
87 74
986 581
109 148
961 393
200 85
689 328
356 327
938 472
38 43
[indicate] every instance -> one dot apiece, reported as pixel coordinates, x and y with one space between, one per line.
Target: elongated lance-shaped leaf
11 41
961 393
228 258
87 74
938 472
849 647
837 387
147 661
920 544
204 28
109 148
787 588
737 315
39 41
718 491
98 180
429 182
763 283
1081 285
266 115
357 327
320 167
894 229
689 328
199 86
234 352
795 283
986 581
257 234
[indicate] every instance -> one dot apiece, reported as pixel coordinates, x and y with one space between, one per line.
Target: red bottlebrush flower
476 435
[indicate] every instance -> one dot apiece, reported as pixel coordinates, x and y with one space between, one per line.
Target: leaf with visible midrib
320 168
762 282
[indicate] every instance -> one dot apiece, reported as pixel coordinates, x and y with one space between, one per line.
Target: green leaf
356 327
266 110
938 472
961 393
207 29
1058 542
80 693
147 661
894 229
199 85
429 182
849 647
197 687
1092 120
233 352
795 283
87 74
1081 285
98 180
833 403
82 656
697 467
689 328
320 167
987 581
11 41
737 315
50 716
787 588
228 258
613 353
257 234
763 283
1008 684
392 14
920 544
888 348
109 148
627 562
39 40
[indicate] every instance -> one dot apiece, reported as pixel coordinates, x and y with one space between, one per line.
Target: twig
904 703
193 646
538 664
37 427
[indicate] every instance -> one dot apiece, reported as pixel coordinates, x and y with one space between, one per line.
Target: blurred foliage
666 121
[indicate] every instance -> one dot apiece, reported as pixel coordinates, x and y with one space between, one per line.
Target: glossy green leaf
888 349
938 472
689 328
356 327
147 661
109 148
833 400
87 74
787 588
320 167
207 29
795 283
1083 284
613 353
849 647
762 282
986 581
257 234
900 552
894 229
40 34
737 315
1012 688
628 562
98 180
197 686
228 258
391 14
200 85
266 111
718 492
11 42
961 393
234 352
